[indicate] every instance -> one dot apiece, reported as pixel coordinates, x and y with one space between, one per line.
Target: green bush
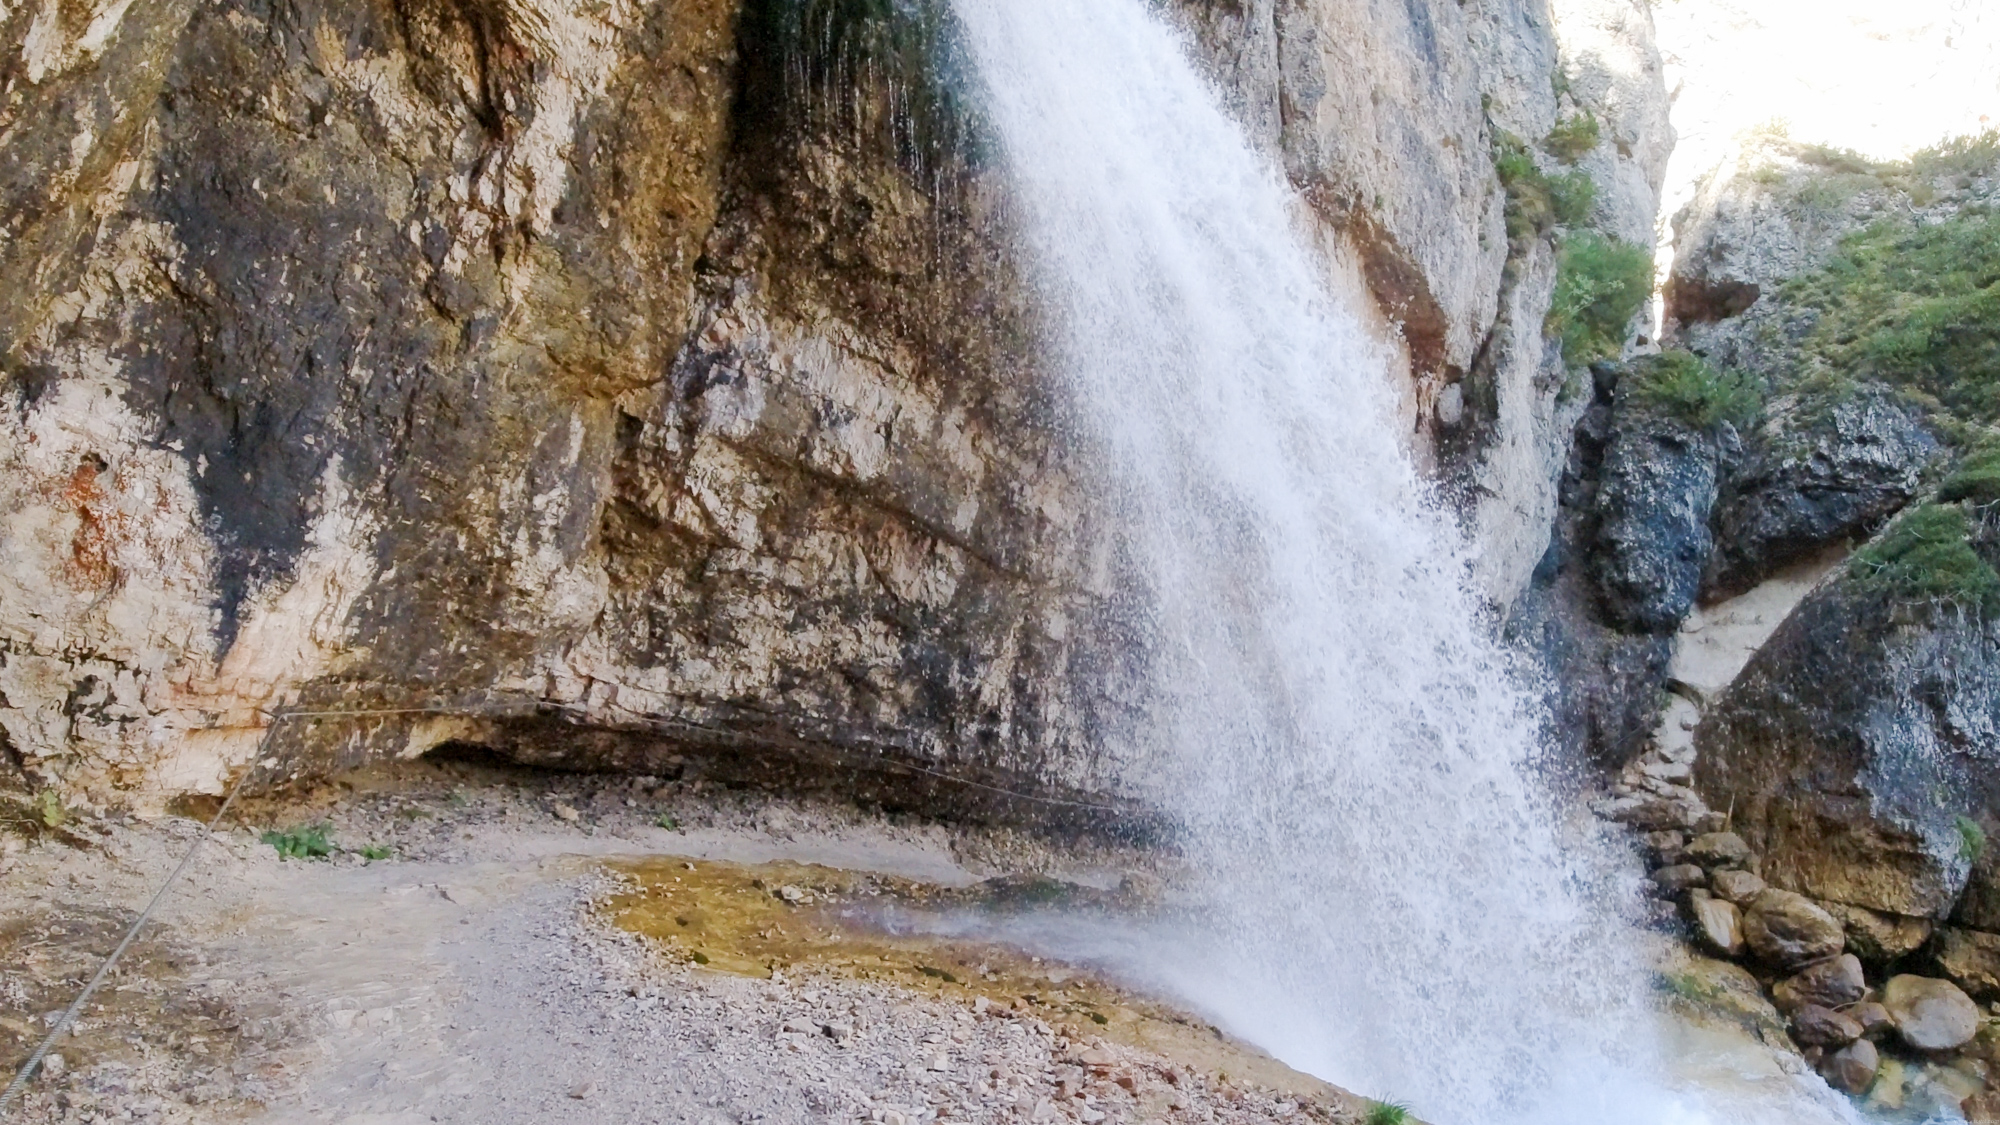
1537 202
1926 556
1600 284
1958 156
1694 391
304 842
1977 479
1572 137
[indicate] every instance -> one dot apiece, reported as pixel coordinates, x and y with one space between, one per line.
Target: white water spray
1394 904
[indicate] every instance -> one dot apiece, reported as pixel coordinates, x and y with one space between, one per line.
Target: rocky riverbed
477 971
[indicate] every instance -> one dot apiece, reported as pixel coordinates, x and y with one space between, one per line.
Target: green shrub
1571 197
1537 202
1977 479
1916 306
374 852
1387 1113
1600 284
304 842
1694 391
1958 156
1926 556
1572 137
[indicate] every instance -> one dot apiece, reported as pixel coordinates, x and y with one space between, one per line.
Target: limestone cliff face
617 384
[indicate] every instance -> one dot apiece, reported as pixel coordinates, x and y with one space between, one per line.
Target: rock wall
618 386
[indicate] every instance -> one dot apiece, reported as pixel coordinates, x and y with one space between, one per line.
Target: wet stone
1718 924
1676 880
1930 1014
1815 1026
1790 930
1738 887
1833 983
1719 850
1852 1068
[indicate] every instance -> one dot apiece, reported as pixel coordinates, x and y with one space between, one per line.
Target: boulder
1836 742
1738 887
1873 1018
1717 923
1657 486
1930 1014
1972 959
1789 930
1718 850
1852 1068
1676 880
1815 1026
1880 938
1666 847
1812 478
1832 983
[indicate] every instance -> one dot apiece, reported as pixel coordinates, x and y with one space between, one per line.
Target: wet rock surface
1836 741
1806 483
1930 1014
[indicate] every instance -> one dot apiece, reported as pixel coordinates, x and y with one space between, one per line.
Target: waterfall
1392 901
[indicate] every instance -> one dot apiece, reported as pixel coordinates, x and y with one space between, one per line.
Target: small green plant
1695 391
1600 284
1537 202
1926 556
1100 1019
303 842
1977 479
1572 137
1387 1113
1971 839
50 810
668 822
374 852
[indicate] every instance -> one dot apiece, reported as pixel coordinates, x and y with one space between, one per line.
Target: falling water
1393 901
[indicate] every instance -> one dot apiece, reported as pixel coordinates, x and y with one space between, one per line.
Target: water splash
1393 902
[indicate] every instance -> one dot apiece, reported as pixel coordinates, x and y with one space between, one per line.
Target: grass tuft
1696 392
1572 137
1387 1113
374 852
303 842
1600 284
1926 555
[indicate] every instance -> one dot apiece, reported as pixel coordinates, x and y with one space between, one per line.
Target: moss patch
1696 392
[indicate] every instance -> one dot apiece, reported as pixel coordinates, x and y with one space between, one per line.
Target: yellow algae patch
799 918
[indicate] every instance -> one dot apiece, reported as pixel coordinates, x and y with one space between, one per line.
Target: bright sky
1884 77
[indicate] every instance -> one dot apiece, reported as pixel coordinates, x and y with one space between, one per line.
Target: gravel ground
469 978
